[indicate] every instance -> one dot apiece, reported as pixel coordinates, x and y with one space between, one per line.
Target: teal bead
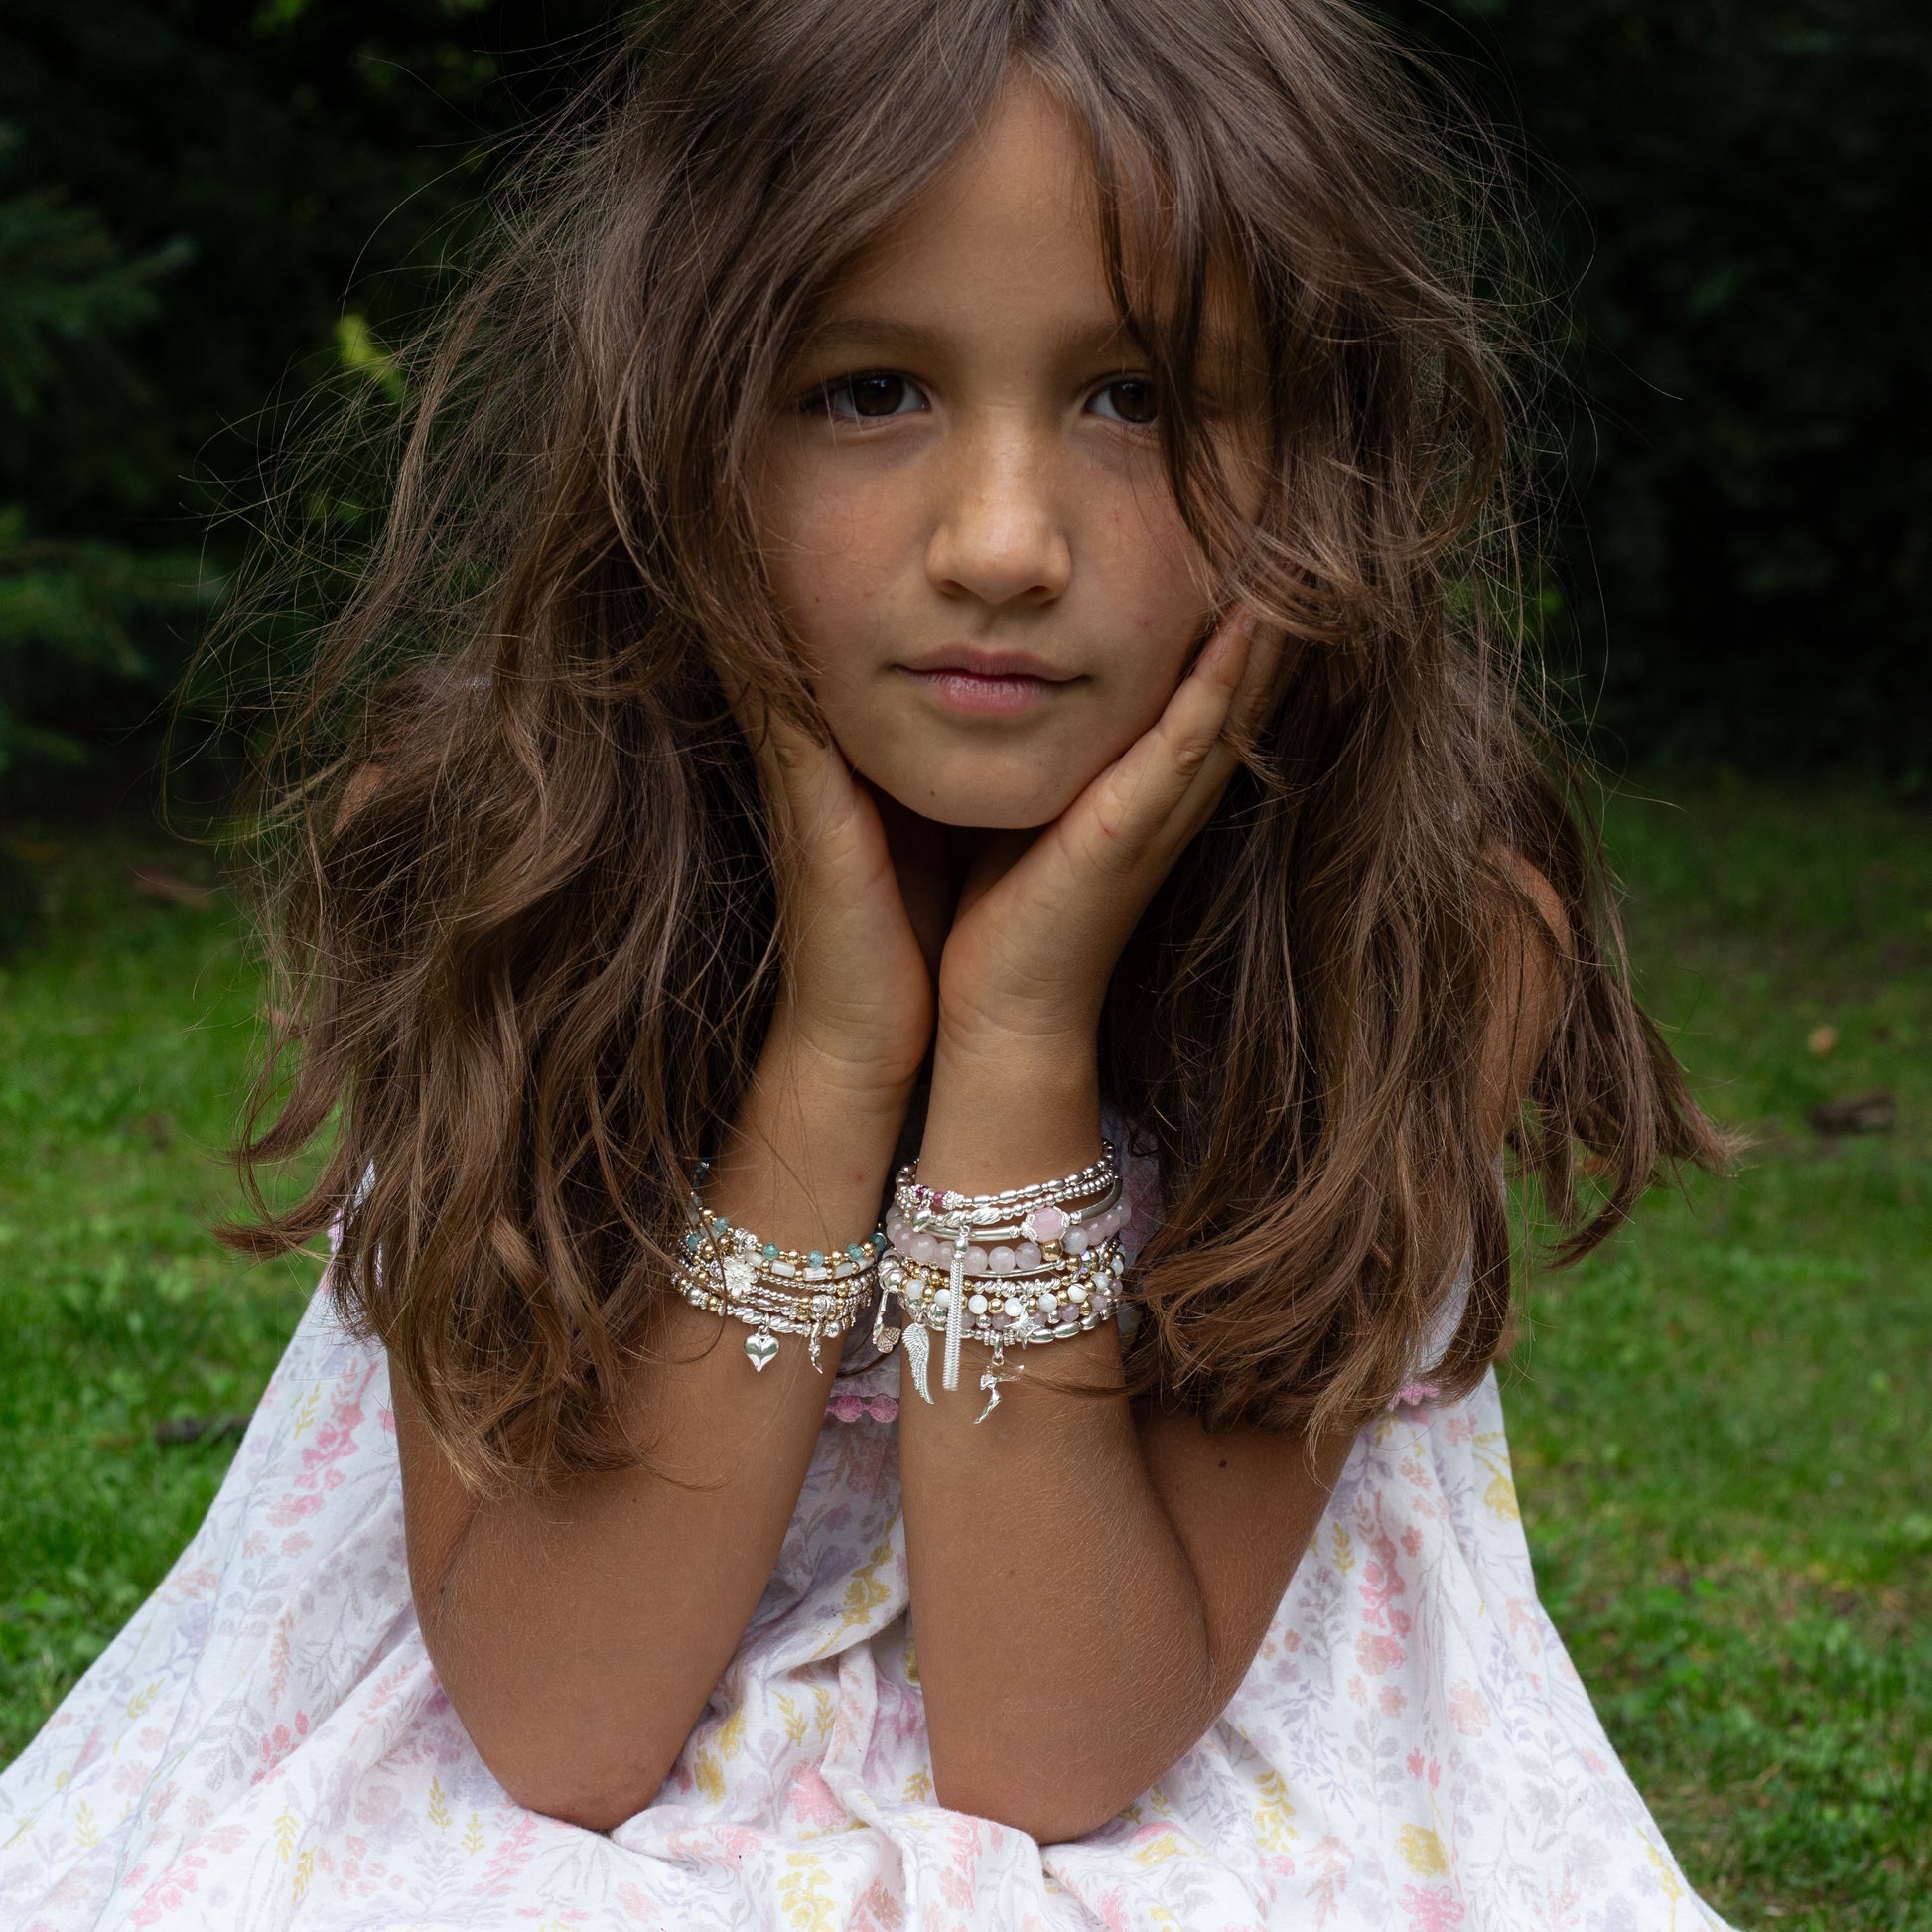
853 1250
768 1252
814 1259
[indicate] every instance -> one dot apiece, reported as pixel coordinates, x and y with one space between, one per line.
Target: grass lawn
1723 1425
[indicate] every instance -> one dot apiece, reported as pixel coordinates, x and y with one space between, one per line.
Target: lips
976 694
974 661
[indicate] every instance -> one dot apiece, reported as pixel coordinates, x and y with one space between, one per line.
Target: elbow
1051 1808
585 1768
593 1798
1062 1776
558 1770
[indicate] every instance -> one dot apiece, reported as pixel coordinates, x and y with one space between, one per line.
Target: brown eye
875 394
1127 399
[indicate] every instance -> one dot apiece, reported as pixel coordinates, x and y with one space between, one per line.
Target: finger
1255 698
802 779
1181 751
1260 689
1190 730
1257 681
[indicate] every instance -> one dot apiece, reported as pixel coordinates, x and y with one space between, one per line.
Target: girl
932 721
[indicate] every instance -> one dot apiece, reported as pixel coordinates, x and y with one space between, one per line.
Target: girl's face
966 519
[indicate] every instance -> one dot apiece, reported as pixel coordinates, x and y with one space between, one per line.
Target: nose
998 538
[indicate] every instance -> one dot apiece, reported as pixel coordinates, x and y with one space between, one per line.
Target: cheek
828 552
1156 588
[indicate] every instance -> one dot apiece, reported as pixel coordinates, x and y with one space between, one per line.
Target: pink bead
1049 1224
1001 1261
1077 1241
1027 1255
976 1261
924 1248
997 1320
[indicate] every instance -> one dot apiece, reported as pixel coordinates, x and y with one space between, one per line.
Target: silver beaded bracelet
1052 1248
1053 1305
774 1290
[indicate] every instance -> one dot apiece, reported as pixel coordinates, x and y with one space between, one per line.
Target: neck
932 861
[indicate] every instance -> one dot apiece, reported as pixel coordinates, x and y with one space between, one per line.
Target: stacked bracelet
1026 1266
775 1290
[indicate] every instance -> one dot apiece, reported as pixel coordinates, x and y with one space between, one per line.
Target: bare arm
578 1632
1128 1558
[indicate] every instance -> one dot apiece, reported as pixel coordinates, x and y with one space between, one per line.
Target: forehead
1008 240
1009 228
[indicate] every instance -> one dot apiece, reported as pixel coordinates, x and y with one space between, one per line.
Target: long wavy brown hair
514 858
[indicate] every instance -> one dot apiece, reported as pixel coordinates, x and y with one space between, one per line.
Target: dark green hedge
1731 191
193 195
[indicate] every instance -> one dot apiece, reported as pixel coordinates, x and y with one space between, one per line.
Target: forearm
1063 1648
580 1632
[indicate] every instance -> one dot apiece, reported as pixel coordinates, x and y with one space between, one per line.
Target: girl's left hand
1043 916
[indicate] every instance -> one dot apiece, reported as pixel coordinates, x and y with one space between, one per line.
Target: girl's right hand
857 994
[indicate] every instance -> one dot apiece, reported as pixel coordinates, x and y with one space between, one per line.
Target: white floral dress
266 1744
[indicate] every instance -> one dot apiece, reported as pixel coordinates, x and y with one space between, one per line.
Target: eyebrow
916 338
894 335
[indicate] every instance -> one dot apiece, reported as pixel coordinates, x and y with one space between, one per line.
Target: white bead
1015 1305
1077 1293
976 1303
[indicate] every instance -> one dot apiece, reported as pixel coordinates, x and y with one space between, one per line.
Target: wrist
809 1152
873 1077
1049 1022
1008 1110
1051 1041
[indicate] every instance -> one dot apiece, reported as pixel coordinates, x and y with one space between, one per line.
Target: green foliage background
1729 187
206 206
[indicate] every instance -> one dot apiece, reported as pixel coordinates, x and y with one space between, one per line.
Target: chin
990 800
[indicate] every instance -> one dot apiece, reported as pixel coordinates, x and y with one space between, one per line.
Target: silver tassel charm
956 1310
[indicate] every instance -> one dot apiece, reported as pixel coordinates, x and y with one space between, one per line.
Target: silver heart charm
761 1348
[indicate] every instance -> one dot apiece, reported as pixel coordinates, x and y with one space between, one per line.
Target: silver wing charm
918 1345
